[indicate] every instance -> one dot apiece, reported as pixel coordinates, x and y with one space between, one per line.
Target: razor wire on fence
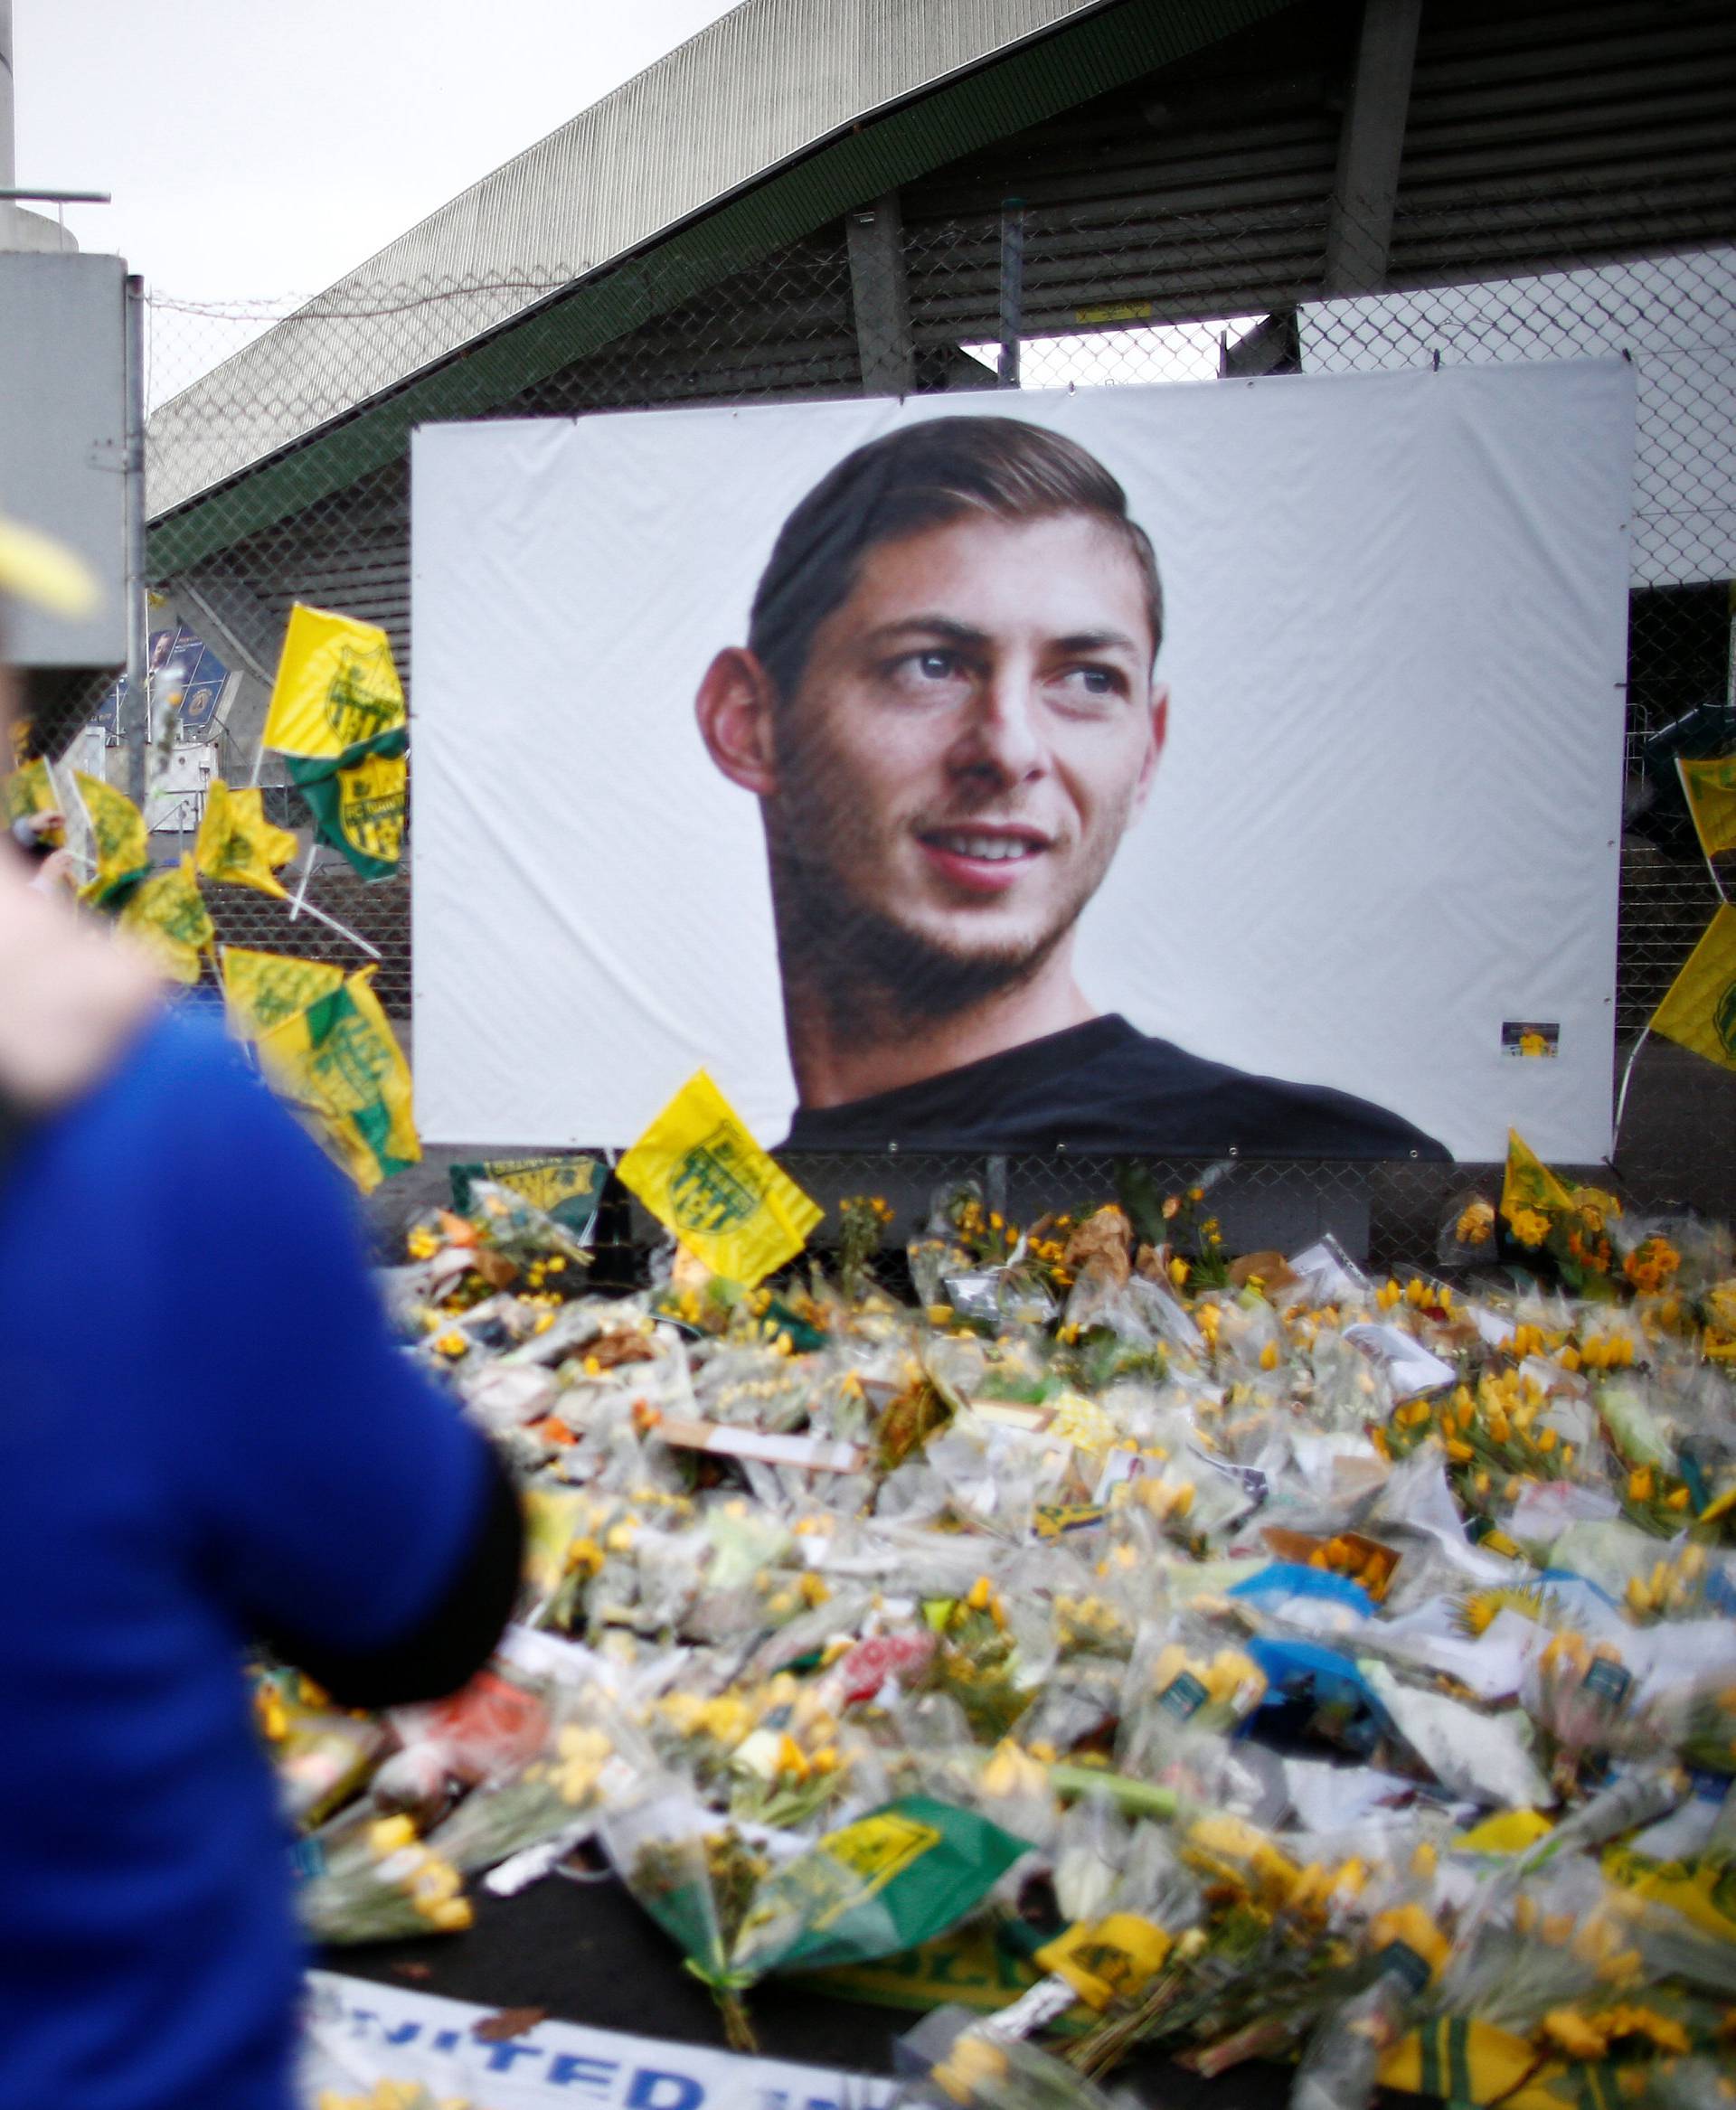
1110 294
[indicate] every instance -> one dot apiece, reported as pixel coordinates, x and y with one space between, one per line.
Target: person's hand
56 870
32 831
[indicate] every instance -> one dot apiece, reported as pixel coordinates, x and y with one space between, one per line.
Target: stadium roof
780 116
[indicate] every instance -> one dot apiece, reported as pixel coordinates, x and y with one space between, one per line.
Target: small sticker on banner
1531 1040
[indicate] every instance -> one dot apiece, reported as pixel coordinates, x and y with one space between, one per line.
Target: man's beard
867 965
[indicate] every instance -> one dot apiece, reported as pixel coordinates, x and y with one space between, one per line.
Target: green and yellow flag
166 915
1700 1009
237 845
123 845
337 717
1710 789
340 1061
360 811
29 789
1528 1183
704 1177
262 990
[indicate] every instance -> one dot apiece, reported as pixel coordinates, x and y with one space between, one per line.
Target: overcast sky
256 151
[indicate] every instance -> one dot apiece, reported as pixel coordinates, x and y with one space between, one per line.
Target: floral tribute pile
1234 1657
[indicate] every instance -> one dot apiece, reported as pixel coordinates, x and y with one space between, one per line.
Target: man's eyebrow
1099 641
938 626
928 626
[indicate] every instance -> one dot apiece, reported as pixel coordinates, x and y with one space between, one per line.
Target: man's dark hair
923 476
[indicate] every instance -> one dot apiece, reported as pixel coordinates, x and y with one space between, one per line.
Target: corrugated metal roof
768 82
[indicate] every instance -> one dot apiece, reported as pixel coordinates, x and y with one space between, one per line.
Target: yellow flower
1475 1224
1529 1226
1574 2033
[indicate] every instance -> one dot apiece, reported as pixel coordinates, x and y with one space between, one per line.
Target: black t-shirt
1105 1086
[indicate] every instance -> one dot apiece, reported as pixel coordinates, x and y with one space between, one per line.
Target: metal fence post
994 1186
135 726
1012 291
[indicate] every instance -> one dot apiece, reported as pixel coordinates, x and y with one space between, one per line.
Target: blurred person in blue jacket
207 1438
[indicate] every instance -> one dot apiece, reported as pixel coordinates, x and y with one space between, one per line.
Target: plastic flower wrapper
752 1387
992 1654
1259 1950
495 1724
1125 1900
1580 1695
382 1883
954 2058
590 1757
957 1237
1189 1676
786 1767
1466 1235
1697 1721
696 1876
1536 1955
321 1758
891 1880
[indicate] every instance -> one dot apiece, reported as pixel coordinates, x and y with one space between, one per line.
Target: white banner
1357 832
357 2034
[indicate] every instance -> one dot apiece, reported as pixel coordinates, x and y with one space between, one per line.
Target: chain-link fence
1106 291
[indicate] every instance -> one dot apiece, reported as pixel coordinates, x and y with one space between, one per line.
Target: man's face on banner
973 729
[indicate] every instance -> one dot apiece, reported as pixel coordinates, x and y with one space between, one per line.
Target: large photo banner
1228 769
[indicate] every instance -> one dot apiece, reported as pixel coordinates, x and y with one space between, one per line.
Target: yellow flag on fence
337 716
123 846
167 914
1710 789
1700 1009
263 989
701 1173
237 845
337 695
340 1061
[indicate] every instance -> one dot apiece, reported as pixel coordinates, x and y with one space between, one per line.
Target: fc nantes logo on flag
337 716
1700 1011
703 1176
339 1060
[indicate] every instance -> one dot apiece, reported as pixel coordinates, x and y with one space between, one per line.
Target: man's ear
734 708
1154 752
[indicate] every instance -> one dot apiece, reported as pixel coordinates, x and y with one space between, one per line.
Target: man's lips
982 858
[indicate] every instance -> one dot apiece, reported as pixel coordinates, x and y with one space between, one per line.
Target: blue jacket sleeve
334 1493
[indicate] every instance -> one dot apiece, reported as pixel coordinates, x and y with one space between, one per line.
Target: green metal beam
1086 58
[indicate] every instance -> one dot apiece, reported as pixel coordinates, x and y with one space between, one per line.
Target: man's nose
1003 739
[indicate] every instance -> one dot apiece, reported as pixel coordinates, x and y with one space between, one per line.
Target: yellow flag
29 790
340 1061
1700 1009
237 844
337 692
263 989
166 915
360 811
700 1172
1710 789
123 846
1528 1183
